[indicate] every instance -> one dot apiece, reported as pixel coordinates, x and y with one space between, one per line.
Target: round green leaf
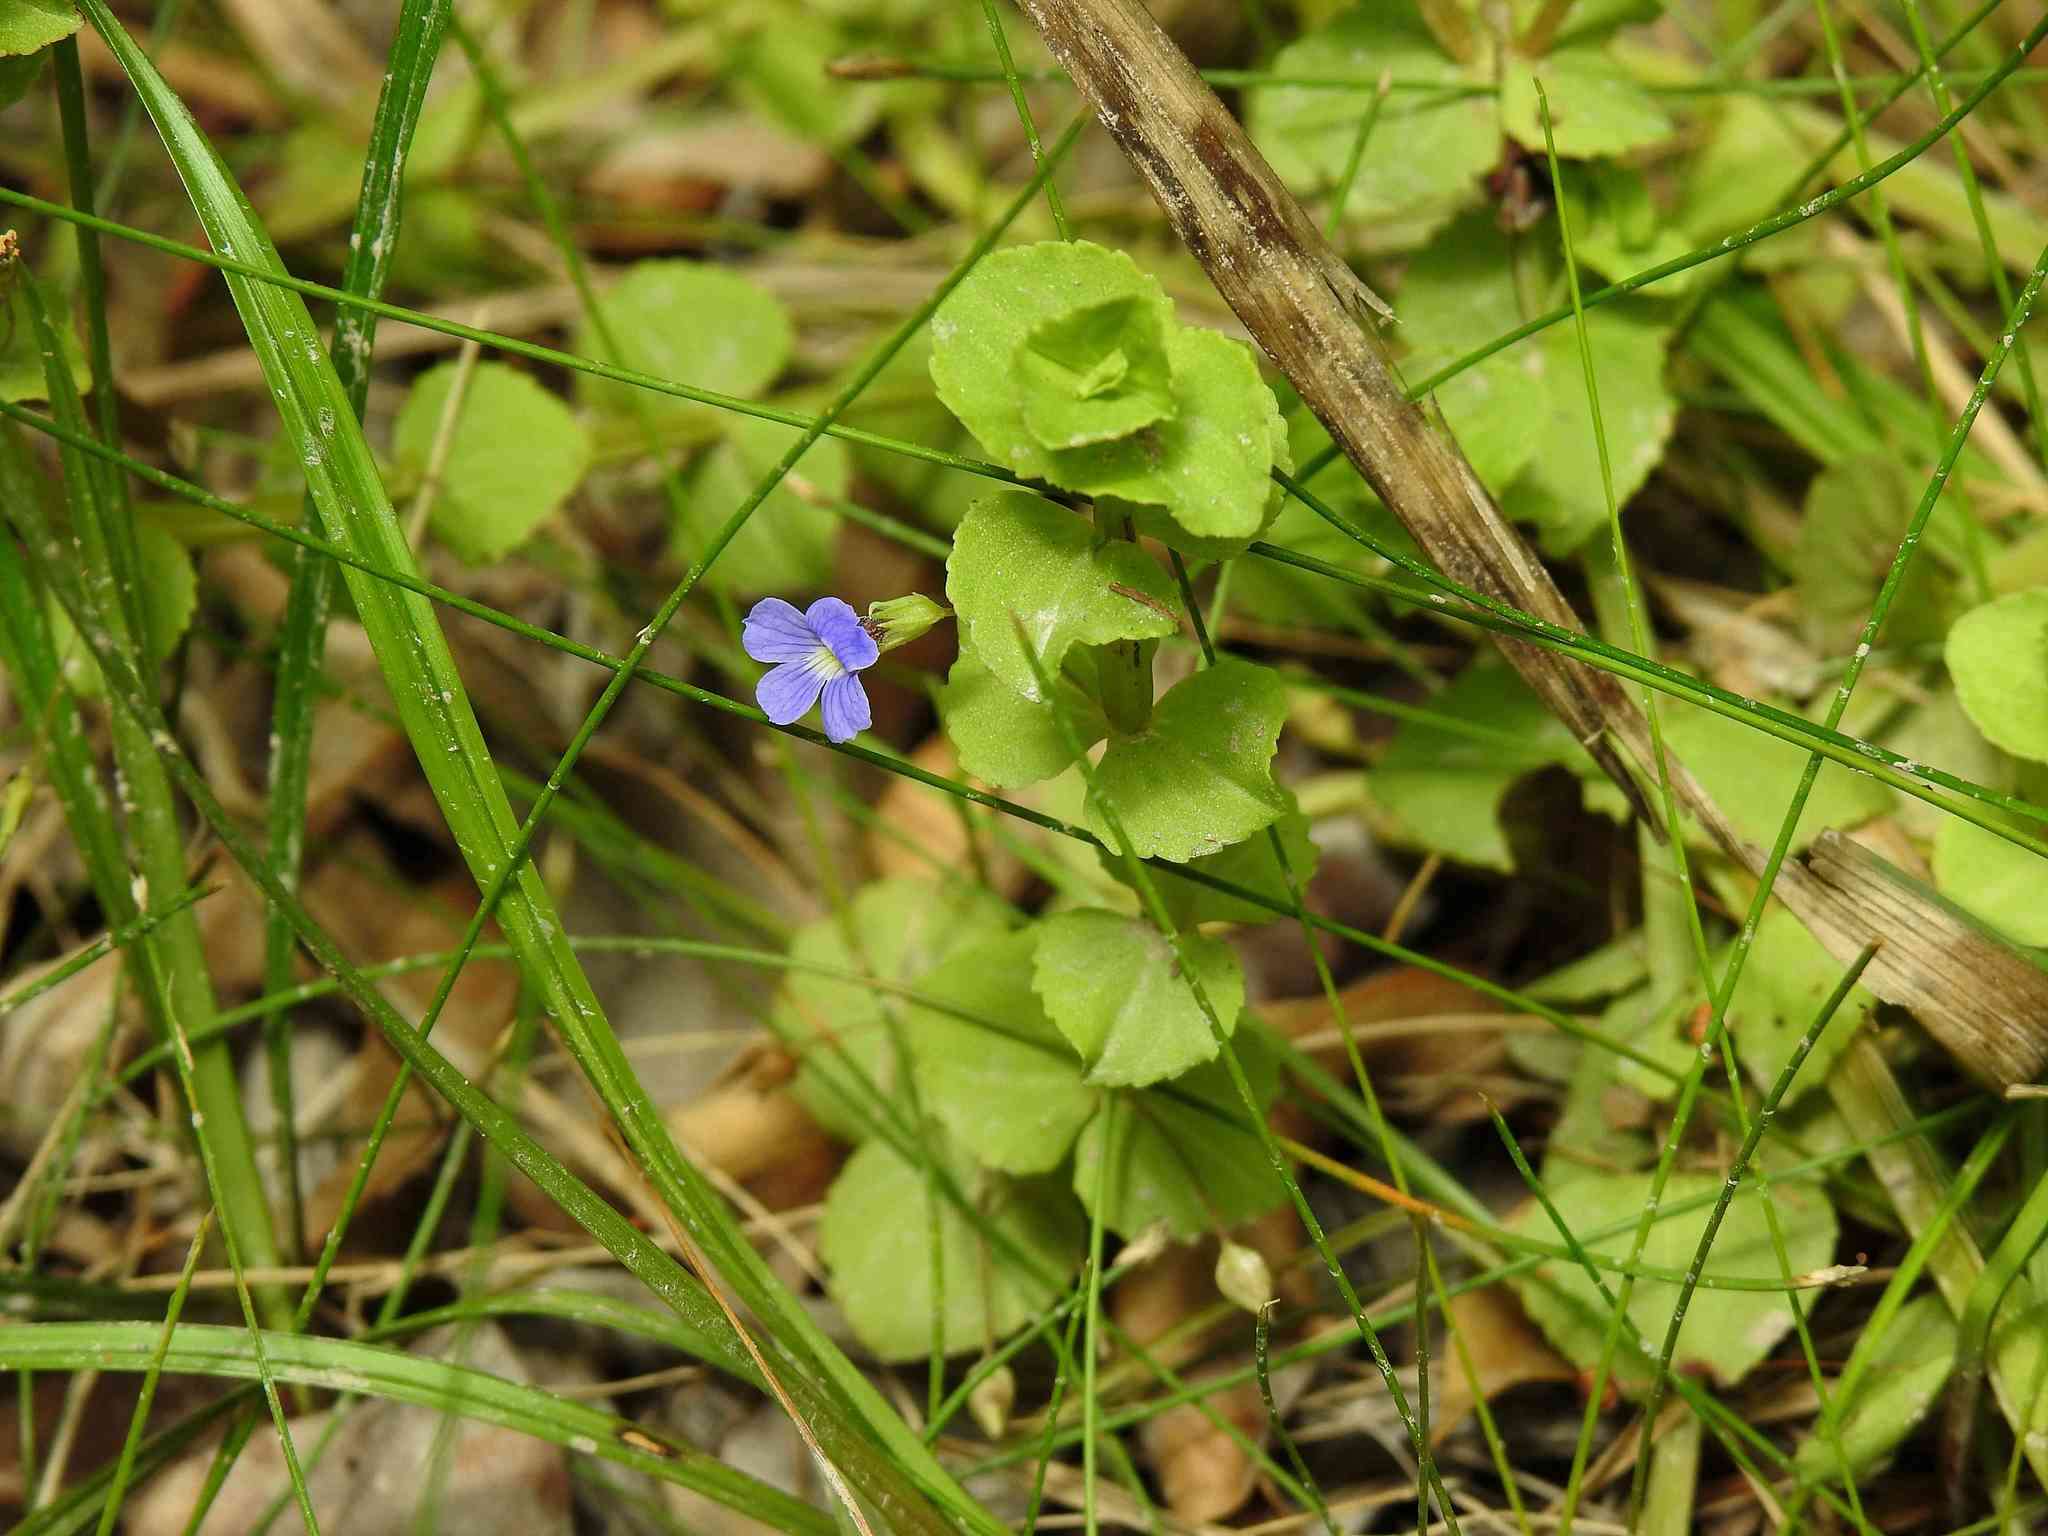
1207 458
1991 879
29 26
1856 511
1182 1153
1199 777
1095 373
515 454
1998 656
1903 1382
1786 980
877 1241
1457 295
987 321
780 67
691 323
1210 464
1010 740
1559 489
787 542
1727 1332
1752 777
1617 227
895 931
1013 1093
1445 787
1020 557
1250 863
1595 107
1428 151
1114 988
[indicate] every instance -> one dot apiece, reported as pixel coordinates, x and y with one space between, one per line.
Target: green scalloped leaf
877 1243
690 323
1095 373
1113 987
29 26
1992 879
787 544
1199 777
1458 294
1184 1154
514 455
1559 489
1444 788
900 930
1752 777
1013 1095
1596 107
1208 458
1998 655
1249 863
1903 1382
1784 983
1856 511
980 329
1211 463
1521 415
1019 557
1429 152
1007 739
1727 1332
1617 227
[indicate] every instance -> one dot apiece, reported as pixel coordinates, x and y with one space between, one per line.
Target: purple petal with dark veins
841 629
846 708
777 631
787 692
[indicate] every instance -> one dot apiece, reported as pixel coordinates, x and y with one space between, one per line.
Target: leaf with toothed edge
1020 559
1010 740
1115 988
1199 777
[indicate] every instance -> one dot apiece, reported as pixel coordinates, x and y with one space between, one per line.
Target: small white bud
991 1401
1242 1276
1143 1248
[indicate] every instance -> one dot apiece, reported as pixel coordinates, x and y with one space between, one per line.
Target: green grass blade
435 712
176 983
302 639
344 1365
124 1465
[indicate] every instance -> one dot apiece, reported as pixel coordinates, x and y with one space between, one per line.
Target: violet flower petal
846 708
787 692
777 631
840 628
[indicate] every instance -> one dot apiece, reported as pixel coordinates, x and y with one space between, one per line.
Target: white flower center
824 663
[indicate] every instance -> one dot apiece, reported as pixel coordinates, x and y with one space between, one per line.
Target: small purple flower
816 650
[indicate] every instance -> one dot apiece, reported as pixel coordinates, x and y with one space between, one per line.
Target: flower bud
991 1401
901 620
1242 1276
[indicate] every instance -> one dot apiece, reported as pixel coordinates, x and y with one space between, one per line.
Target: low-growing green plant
1157 569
